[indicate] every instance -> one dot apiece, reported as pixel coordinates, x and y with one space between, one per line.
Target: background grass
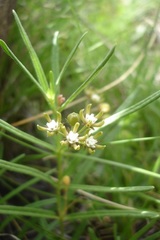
135 28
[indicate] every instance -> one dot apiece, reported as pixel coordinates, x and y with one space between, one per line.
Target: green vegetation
89 167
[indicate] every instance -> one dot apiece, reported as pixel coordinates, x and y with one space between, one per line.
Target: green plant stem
59 193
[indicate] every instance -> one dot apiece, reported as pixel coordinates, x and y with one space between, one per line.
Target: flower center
95 97
72 137
91 118
52 126
91 142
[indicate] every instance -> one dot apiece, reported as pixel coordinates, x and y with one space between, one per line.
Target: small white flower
95 98
90 118
91 142
52 126
72 137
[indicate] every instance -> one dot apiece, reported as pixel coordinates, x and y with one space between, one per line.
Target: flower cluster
80 132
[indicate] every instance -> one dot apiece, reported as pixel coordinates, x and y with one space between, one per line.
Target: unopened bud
66 180
73 118
60 99
104 107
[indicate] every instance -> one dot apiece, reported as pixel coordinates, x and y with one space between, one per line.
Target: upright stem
59 193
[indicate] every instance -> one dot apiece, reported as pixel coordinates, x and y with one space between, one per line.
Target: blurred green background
134 26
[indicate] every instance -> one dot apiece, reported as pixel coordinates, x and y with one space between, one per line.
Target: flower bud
73 118
104 107
66 180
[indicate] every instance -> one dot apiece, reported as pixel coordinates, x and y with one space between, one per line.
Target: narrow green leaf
14 160
111 189
154 236
79 230
26 211
20 188
134 140
89 79
143 230
69 59
52 83
40 226
6 49
5 222
36 63
114 163
51 93
15 167
92 234
11 54
43 202
25 136
55 55
112 213
131 109
23 143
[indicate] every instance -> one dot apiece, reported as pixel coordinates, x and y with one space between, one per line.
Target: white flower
52 126
72 137
95 98
90 118
91 142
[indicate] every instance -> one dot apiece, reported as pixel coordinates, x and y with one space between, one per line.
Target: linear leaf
55 55
23 143
116 164
144 229
131 109
26 211
14 167
113 213
134 140
25 136
20 188
36 63
111 189
11 54
69 59
89 79
15 160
